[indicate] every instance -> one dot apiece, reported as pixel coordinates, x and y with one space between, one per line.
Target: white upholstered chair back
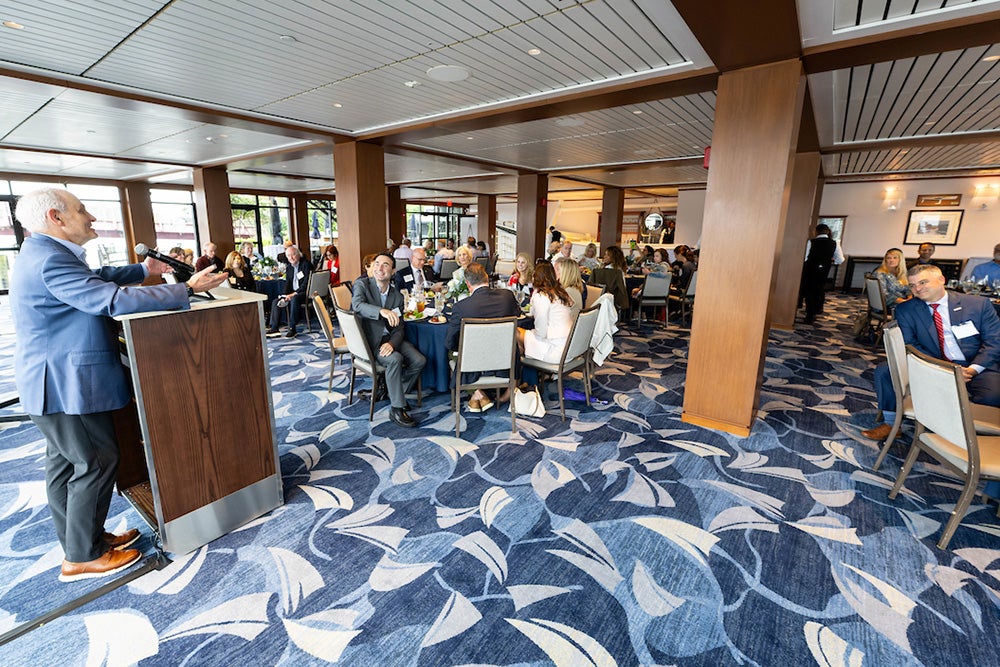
486 344
895 355
583 332
355 336
940 402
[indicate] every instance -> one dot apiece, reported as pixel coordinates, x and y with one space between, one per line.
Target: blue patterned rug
621 536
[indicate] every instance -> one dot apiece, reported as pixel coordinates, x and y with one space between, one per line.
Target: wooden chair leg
888 441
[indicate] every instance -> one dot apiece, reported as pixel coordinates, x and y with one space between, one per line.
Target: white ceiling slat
573 27
606 28
655 47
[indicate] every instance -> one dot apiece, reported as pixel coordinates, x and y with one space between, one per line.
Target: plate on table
412 317
438 319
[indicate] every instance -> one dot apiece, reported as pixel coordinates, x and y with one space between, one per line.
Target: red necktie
939 325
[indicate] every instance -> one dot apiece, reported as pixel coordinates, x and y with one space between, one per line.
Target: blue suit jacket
66 358
917 325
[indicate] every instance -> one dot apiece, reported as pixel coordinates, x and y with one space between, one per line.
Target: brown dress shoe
880 432
128 538
112 561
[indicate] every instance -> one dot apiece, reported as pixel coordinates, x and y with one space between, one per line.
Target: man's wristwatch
190 291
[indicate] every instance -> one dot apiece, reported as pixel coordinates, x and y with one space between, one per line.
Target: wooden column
139 227
299 227
361 203
609 232
801 204
532 204
396 214
215 214
757 116
486 220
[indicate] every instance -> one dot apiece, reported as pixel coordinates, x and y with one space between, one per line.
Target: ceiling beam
962 33
984 137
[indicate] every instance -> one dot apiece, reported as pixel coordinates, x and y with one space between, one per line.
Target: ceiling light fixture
13 25
534 52
989 59
337 105
637 112
411 84
448 73
287 38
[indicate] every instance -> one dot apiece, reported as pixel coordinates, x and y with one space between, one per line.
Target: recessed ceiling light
637 111
337 105
448 73
989 59
411 84
13 25
209 138
470 138
287 38
534 52
223 136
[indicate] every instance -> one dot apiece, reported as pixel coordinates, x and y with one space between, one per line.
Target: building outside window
322 224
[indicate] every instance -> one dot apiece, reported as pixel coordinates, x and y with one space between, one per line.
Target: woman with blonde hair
891 275
523 272
568 272
239 272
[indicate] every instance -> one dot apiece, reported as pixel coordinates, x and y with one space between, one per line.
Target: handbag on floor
527 403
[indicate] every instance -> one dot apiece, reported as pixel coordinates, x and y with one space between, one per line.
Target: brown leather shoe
880 432
112 561
128 538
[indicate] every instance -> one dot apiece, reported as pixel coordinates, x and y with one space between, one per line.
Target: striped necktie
939 325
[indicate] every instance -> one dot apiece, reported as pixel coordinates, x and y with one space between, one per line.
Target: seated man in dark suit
296 284
969 335
418 276
481 302
209 258
379 307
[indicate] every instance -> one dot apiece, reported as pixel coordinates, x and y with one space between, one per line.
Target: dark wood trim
960 33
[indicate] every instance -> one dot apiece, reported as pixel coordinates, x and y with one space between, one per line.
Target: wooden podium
198 454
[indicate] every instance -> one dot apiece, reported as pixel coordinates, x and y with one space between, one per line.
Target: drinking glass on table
421 301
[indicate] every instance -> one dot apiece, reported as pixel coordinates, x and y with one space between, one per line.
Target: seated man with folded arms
481 302
989 271
962 328
379 307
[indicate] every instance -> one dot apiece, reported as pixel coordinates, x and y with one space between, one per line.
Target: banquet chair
362 357
318 280
484 345
685 298
946 431
504 268
653 294
448 267
594 292
341 296
614 284
576 354
338 346
987 418
402 263
878 312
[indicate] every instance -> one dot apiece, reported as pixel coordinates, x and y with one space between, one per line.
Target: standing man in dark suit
417 276
481 302
822 252
969 335
68 369
296 283
379 305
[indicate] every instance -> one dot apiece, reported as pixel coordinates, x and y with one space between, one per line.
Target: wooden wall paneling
799 221
361 203
139 227
609 230
215 213
396 213
756 126
299 228
486 220
532 206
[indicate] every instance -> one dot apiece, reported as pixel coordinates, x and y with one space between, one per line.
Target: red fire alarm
449 202
708 155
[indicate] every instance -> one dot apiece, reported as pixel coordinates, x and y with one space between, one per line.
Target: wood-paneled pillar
299 229
609 232
486 221
215 213
757 117
396 214
139 227
361 203
532 206
801 205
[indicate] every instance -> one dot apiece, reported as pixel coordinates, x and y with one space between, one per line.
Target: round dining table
271 288
429 339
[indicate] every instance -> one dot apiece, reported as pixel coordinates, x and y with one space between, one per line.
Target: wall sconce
985 195
892 198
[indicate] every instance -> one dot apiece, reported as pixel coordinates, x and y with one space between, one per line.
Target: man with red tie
961 328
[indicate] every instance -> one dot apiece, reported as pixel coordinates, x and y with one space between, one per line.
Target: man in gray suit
379 305
69 373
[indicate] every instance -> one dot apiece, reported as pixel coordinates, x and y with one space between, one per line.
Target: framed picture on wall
937 227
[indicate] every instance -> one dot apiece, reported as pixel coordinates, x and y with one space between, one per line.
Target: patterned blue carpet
621 536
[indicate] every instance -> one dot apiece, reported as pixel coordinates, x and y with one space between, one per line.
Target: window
174 219
432 222
263 220
322 224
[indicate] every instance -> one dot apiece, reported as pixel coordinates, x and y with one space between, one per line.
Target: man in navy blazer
481 302
296 285
417 276
971 332
68 369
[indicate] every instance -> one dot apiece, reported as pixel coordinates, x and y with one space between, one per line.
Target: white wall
690 213
871 230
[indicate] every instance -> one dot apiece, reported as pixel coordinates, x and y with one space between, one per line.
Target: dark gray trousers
402 368
81 464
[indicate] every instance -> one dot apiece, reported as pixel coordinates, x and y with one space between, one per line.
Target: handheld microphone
182 271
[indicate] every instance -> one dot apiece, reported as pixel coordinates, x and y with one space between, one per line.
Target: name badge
299 275
965 329
408 279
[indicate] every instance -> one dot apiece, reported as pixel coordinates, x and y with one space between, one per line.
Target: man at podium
68 371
